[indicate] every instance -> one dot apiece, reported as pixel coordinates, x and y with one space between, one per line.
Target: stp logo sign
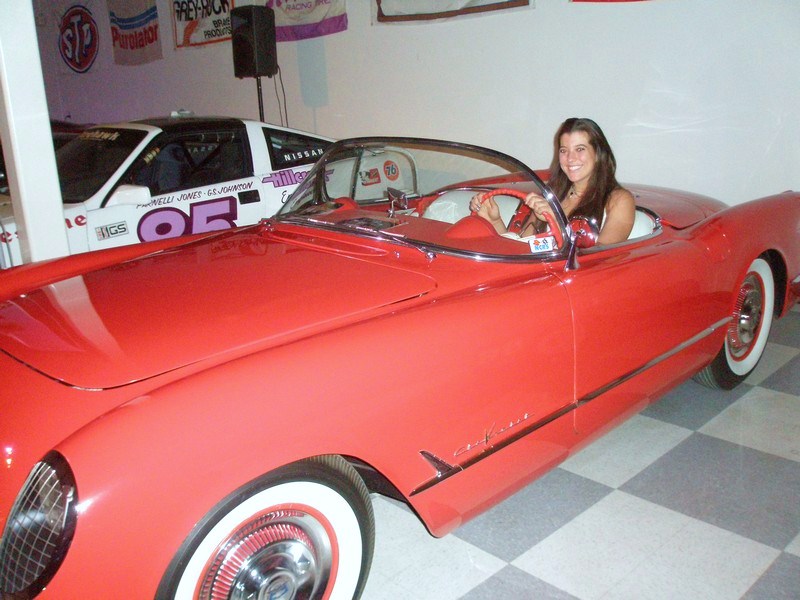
78 39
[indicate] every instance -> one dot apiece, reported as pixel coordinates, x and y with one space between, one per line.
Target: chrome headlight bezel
39 529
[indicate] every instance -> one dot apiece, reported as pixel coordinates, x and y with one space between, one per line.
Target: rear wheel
305 531
747 332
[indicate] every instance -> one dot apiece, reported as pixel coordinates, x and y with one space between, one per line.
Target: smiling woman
583 177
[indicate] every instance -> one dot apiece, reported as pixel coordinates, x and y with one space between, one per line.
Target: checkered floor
696 497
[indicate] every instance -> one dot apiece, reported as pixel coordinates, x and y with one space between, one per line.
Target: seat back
454 205
643 224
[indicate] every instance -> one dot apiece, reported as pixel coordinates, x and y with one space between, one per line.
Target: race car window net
190 161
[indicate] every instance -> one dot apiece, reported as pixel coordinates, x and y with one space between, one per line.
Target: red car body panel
380 353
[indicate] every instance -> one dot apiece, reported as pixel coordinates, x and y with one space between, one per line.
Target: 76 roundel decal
391 170
213 215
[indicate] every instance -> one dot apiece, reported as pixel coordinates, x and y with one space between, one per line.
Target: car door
198 182
497 374
643 312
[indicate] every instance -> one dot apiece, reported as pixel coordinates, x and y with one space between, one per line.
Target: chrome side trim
630 375
441 476
445 470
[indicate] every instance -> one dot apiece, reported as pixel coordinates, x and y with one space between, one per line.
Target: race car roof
185 124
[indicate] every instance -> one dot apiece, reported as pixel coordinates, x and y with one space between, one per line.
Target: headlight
39 529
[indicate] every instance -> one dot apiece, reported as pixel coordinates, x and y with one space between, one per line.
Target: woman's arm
489 210
620 211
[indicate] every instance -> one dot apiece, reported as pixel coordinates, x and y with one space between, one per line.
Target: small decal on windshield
370 177
542 244
100 135
391 170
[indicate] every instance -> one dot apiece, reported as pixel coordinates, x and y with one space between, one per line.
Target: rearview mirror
584 232
398 200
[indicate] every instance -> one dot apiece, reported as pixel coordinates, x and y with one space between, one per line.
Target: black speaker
253 41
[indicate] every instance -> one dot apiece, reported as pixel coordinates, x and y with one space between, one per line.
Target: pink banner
395 11
303 19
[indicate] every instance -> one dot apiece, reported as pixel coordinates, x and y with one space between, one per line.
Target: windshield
88 161
419 192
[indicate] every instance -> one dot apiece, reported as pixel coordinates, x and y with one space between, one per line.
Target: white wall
694 94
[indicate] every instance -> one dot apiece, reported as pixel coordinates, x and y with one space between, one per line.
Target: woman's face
577 157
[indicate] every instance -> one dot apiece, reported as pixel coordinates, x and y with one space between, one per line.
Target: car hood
205 301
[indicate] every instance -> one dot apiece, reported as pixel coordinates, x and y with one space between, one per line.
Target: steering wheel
345 203
522 212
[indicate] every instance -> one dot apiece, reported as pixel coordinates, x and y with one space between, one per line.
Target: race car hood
205 301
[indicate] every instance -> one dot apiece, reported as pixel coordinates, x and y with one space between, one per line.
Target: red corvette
206 418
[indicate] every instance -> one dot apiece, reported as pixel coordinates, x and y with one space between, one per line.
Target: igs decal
78 39
112 230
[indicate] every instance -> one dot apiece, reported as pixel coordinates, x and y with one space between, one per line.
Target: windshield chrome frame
315 179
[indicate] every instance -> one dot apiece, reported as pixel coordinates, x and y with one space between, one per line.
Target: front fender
170 455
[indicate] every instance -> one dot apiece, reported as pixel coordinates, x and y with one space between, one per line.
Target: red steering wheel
522 212
345 203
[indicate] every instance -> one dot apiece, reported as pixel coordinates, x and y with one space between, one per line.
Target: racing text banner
198 22
135 32
303 19
392 11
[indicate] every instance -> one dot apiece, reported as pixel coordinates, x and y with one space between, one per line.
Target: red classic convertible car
207 417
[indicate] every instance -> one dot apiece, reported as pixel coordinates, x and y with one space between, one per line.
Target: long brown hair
603 180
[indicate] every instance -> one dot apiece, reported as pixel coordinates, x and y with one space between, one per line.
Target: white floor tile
775 356
762 419
628 548
412 564
626 450
597 550
794 547
700 561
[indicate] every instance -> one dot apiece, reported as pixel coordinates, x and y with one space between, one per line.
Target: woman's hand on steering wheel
529 203
538 205
485 206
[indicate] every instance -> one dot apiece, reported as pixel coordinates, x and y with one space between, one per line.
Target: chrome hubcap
282 555
746 317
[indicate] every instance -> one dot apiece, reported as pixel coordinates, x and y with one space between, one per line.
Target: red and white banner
199 22
394 11
135 31
77 27
303 19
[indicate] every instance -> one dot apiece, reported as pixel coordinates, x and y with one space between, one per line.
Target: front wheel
747 332
305 531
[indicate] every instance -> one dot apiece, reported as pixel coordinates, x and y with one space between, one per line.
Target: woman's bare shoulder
621 198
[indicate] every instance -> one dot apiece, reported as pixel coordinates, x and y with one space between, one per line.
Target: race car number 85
163 223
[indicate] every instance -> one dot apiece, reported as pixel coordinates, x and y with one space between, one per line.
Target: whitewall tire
305 531
747 332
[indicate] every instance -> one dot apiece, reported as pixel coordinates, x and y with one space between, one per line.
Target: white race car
159 178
